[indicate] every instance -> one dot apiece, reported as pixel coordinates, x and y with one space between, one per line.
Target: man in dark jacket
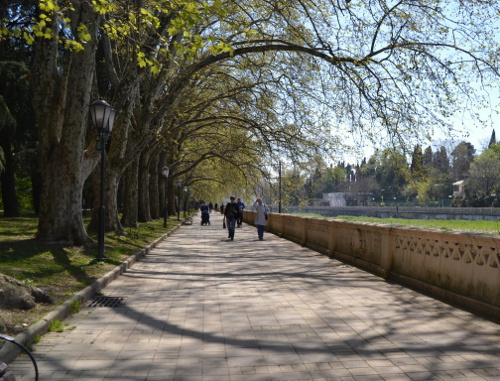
231 213
241 205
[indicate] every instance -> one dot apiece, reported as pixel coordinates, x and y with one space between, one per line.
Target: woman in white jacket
261 217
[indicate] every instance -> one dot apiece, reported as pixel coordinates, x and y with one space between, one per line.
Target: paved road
200 308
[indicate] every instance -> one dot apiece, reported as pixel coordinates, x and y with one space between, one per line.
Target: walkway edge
9 351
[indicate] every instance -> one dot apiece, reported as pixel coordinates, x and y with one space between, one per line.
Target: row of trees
218 90
392 177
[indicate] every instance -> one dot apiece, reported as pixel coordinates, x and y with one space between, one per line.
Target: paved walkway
200 308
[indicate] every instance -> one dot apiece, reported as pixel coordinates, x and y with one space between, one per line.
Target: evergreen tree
440 160
493 139
417 159
427 159
462 156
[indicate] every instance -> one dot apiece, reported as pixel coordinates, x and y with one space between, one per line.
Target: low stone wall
460 268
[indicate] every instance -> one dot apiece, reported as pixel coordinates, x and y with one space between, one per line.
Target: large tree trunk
62 107
171 196
111 218
144 212
95 178
130 197
126 96
154 188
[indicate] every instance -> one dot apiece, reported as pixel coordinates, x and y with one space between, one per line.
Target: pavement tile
395 377
197 308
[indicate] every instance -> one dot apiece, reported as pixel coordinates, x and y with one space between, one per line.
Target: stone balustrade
460 268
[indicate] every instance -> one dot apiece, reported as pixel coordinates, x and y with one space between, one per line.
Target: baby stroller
205 218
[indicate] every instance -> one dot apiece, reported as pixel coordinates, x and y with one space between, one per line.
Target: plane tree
396 120
231 119
387 71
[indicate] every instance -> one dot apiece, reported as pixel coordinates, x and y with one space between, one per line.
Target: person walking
241 205
261 217
231 212
205 214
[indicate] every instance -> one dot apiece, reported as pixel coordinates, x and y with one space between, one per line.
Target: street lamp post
103 117
279 188
179 184
165 171
185 199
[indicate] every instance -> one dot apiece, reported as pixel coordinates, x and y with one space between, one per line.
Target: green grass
57 326
63 268
476 226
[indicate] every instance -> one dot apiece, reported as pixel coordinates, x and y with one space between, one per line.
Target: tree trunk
130 198
11 206
95 178
124 140
111 216
154 188
62 107
161 182
144 212
60 207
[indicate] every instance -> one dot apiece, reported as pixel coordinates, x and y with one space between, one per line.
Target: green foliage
217 97
462 156
495 148
56 326
483 186
24 193
75 307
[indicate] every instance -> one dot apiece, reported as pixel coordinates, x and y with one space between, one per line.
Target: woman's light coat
260 217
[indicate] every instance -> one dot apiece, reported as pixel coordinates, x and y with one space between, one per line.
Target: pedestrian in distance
231 212
261 217
241 205
205 214
204 207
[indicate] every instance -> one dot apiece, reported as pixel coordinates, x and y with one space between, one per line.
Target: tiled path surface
200 308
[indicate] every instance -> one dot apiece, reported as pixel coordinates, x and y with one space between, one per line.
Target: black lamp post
165 171
185 199
103 116
279 188
179 184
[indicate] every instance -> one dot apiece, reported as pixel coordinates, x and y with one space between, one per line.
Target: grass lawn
476 226
63 268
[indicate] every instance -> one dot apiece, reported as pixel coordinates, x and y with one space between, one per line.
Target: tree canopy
227 85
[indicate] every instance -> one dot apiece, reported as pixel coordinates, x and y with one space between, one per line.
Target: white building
335 199
458 188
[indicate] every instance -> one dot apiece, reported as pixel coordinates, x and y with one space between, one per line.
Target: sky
478 135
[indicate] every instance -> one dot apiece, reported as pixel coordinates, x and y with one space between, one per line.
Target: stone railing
460 268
